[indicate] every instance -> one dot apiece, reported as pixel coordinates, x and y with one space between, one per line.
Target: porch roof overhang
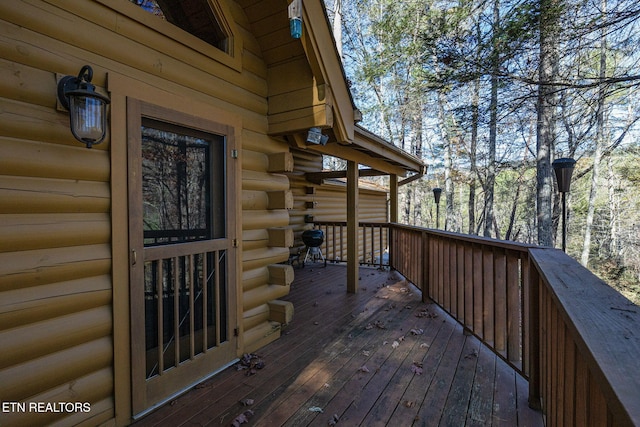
382 157
308 88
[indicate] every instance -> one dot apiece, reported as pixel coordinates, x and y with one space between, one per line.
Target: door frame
136 109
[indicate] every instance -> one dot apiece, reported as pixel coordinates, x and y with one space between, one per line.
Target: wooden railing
482 283
575 338
373 242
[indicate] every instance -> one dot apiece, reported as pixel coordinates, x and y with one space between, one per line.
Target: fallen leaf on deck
427 314
424 345
366 353
315 409
473 354
416 368
417 331
334 420
395 344
377 324
409 403
364 368
242 418
251 363
246 402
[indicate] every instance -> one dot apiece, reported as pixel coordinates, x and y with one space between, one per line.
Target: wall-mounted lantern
87 108
564 169
437 192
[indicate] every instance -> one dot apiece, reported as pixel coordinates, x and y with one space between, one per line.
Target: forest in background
489 93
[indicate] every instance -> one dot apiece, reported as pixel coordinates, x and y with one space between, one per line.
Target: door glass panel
183 194
182 184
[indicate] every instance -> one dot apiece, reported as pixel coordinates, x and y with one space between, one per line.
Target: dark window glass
183 184
194 16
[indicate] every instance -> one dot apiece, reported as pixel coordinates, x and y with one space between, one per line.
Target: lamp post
436 195
564 169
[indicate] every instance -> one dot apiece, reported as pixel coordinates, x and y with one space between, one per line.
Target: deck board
322 359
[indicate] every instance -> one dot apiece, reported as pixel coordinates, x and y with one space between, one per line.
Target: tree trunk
448 163
337 25
549 31
493 125
595 173
473 156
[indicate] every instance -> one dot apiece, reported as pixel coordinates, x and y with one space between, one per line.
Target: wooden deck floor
380 357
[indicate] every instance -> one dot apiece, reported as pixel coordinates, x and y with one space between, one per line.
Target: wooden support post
352 227
393 198
533 340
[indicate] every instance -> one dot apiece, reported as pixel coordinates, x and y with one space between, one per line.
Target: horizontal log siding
55 286
257 216
55 195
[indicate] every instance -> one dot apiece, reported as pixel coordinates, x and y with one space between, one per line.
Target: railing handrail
507 244
604 326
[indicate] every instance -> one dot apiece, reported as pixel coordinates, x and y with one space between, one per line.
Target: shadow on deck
380 357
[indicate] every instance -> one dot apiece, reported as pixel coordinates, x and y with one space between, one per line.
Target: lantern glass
88 119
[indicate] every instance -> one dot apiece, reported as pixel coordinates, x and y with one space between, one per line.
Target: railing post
425 266
534 336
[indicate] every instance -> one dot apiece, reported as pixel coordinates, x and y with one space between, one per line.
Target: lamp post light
87 108
436 195
564 169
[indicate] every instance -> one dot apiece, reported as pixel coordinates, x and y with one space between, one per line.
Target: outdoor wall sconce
564 169
295 19
315 136
436 195
87 108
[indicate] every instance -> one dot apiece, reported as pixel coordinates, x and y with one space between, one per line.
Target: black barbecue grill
313 239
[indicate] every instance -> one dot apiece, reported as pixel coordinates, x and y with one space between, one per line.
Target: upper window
196 17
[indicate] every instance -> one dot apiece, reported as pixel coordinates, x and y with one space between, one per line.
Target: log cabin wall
64 305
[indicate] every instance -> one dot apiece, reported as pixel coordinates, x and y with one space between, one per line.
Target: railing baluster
192 344
205 298
160 318
177 289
